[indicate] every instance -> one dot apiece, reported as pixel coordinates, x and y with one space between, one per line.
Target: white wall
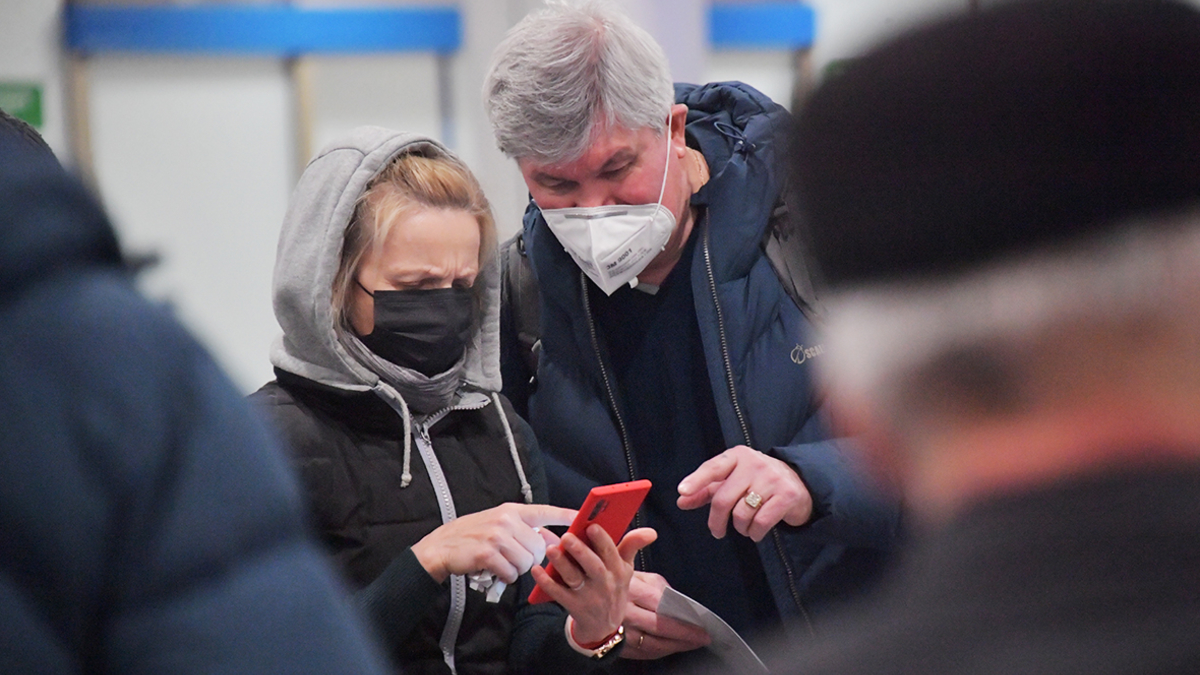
29 52
395 91
196 157
847 28
485 22
193 157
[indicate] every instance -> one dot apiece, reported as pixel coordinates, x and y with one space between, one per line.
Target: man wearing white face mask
670 347
612 243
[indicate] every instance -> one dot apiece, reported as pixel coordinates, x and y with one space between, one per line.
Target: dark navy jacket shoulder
149 523
759 349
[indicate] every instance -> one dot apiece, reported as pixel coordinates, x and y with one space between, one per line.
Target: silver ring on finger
641 639
577 586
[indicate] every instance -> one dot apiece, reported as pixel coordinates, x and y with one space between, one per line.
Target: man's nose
595 196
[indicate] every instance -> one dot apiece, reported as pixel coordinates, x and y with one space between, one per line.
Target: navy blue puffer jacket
148 522
759 349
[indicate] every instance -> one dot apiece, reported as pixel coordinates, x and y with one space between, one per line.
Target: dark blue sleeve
156 526
849 506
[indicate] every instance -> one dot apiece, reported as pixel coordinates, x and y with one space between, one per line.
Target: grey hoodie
310 247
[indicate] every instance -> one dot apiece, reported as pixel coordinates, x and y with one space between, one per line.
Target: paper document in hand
727 644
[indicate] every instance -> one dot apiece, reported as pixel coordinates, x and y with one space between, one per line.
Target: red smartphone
609 506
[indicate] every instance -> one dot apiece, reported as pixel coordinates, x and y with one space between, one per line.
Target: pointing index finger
541 515
716 469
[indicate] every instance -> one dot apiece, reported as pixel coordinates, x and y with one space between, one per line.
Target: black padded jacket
348 448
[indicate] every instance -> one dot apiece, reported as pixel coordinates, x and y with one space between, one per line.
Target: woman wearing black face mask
427 487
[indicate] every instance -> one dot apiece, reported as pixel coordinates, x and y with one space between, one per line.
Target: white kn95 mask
613 244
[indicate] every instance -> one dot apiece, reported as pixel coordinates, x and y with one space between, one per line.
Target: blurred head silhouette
20 131
1005 208
1006 211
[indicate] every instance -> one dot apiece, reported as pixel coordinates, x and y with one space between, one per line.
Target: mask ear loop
661 191
363 287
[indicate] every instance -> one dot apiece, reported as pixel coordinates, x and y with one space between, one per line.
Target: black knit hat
990 134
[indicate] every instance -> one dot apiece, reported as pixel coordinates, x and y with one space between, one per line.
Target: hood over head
309 252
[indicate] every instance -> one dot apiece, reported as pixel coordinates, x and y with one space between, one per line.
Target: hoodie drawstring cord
390 395
512 447
406 476
740 144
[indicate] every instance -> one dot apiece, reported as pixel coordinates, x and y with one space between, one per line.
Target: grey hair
567 71
902 345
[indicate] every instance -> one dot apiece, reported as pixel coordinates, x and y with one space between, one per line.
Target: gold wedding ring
753 499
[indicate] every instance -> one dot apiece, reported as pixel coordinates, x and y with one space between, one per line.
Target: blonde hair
412 180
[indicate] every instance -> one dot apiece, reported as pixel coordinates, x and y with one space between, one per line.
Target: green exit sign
22 100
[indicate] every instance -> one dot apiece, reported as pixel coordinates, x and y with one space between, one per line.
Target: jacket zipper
436 416
741 418
612 404
458 586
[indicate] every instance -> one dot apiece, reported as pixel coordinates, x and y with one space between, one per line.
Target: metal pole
299 70
79 125
445 84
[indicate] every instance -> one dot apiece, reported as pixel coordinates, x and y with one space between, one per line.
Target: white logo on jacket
800 353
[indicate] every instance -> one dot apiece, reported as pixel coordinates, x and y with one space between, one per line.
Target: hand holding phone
609 506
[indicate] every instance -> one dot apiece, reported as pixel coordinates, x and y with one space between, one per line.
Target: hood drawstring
397 402
387 393
512 447
740 144
406 475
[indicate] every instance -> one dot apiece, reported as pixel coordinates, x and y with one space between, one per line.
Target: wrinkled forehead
607 145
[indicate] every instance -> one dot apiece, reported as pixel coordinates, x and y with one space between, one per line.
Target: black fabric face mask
426 330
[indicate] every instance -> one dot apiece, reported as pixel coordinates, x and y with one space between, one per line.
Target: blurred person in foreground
671 348
1006 209
426 486
148 523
